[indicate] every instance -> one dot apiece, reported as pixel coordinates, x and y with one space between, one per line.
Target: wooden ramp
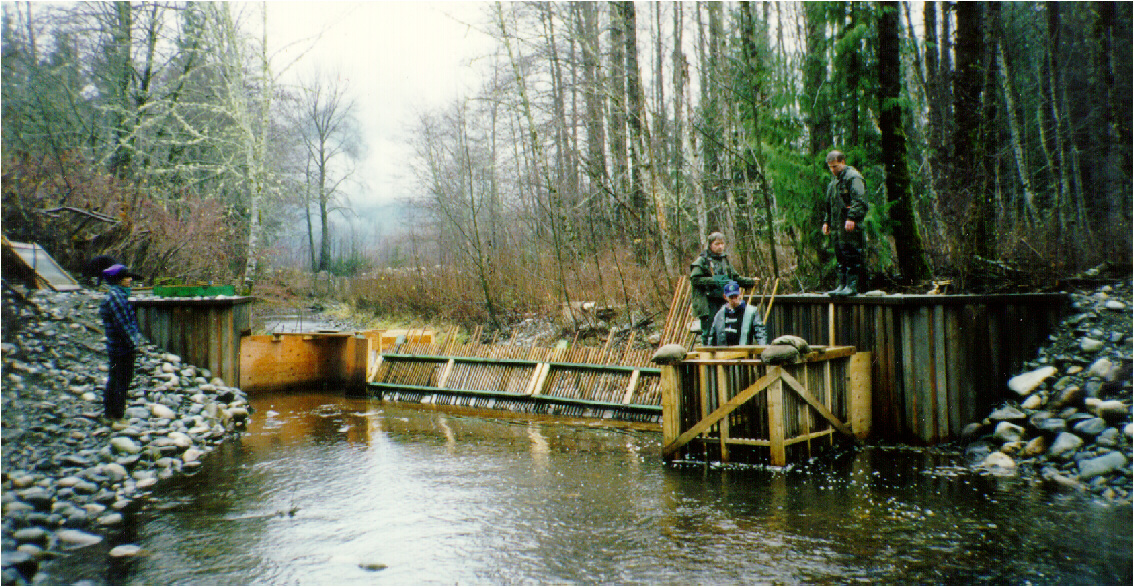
725 404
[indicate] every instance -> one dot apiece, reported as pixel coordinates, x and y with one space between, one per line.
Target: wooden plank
794 384
722 399
710 419
445 371
941 388
749 442
830 432
831 323
860 394
671 404
776 420
632 386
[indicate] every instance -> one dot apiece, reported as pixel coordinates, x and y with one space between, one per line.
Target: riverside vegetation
69 476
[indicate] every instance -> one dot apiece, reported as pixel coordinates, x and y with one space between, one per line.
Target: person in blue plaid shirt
122 339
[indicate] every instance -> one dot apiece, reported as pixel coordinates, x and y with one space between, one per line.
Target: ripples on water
323 490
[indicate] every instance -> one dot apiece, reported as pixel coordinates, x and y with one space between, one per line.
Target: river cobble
68 474
1070 420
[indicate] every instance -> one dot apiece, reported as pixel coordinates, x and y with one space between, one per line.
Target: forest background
607 140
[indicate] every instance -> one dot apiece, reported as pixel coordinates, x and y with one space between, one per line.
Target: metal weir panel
623 392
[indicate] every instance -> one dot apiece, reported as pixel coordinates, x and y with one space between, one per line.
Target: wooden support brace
539 378
722 399
776 421
819 407
726 409
445 371
632 386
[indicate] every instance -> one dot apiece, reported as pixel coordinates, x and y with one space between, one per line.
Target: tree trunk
1011 100
815 105
972 178
911 256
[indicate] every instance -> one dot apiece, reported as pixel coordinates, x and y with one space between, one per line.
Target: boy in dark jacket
122 338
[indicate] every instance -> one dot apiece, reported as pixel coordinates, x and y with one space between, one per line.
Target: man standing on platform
708 274
737 323
843 211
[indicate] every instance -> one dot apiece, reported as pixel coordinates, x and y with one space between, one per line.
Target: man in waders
708 274
737 323
844 209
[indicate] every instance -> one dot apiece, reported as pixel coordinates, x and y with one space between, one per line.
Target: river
324 490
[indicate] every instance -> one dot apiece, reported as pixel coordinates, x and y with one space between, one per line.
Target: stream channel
324 490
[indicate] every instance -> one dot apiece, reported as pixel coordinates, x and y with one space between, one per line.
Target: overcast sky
398 59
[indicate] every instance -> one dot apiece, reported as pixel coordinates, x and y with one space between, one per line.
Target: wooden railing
725 404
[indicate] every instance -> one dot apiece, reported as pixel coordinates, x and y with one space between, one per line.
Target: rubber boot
841 271
852 282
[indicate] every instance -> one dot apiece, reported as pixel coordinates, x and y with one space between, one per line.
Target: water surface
324 490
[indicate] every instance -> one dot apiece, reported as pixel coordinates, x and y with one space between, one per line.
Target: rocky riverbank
68 474
1071 424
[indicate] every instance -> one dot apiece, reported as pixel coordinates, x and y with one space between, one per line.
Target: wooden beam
808 437
445 371
671 406
860 400
726 409
722 399
776 420
819 407
632 386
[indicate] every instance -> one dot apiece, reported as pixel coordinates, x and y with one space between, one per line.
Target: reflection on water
324 490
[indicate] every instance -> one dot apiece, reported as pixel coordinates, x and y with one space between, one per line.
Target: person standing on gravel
122 339
708 274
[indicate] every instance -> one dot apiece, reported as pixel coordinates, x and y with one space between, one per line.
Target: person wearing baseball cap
737 322
122 339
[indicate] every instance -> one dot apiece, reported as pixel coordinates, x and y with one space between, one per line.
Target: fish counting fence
727 405
581 382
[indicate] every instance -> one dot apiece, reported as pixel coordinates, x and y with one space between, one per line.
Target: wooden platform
723 404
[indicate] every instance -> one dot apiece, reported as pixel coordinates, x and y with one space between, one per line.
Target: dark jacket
707 275
846 200
742 326
119 321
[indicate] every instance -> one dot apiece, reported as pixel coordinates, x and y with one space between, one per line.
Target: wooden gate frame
772 383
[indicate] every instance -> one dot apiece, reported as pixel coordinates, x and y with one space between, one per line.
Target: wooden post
722 399
539 378
776 419
632 386
671 407
858 373
445 371
831 324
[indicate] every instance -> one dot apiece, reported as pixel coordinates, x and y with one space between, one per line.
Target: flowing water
323 490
